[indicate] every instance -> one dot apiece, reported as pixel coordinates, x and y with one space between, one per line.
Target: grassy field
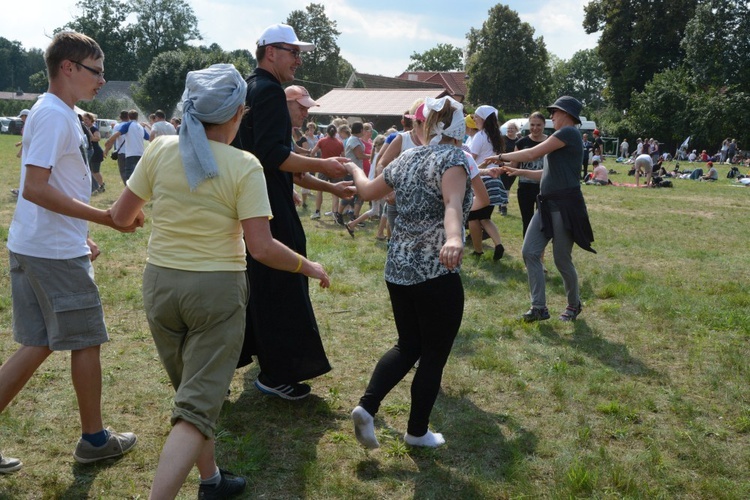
645 396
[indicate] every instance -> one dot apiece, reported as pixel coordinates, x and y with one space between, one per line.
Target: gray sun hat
570 105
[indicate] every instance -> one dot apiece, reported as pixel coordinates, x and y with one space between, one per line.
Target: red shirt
330 147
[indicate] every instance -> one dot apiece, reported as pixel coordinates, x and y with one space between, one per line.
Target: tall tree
443 57
163 84
161 26
320 71
638 39
106 23
507 66
13 62
581 77
717 48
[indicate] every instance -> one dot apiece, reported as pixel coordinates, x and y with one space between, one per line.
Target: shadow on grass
611 354
482 450
271 441
84 476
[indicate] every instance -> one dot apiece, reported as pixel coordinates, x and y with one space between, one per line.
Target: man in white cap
281 329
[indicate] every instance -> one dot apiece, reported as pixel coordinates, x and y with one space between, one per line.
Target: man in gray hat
281 329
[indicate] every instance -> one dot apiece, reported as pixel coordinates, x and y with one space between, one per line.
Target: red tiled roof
453 81
387 82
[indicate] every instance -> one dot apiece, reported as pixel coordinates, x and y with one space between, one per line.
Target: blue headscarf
212 95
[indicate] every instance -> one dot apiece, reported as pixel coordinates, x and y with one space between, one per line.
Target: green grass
645 396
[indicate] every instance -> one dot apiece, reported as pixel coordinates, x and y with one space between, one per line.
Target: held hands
513 172
493 159
334 167
452 253
494 172
130 228
344 190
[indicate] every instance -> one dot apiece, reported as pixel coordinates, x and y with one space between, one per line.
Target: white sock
364 428
431 439
213 480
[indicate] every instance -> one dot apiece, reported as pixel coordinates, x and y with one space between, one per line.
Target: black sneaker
291 392
499 251
536 314
229 486
338 218
504 210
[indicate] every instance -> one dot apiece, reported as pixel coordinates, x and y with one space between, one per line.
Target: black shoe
571 313
338 218
291 392
499 251
229 486
504 210
536 314
349 229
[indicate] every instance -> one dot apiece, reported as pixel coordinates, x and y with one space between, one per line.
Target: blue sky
377 40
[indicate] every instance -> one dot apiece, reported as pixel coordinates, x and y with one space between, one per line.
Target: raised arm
368 189
525 155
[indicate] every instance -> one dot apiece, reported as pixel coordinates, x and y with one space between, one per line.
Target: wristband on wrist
299 264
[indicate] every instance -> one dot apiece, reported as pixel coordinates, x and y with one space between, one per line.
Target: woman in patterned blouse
432 187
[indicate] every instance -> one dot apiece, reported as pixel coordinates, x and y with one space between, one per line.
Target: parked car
10 125
105 127
15 126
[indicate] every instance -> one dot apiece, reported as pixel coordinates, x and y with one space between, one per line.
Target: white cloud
375 38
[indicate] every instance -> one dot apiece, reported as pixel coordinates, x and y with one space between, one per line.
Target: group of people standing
227 272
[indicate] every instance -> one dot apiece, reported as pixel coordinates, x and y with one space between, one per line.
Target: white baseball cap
283 33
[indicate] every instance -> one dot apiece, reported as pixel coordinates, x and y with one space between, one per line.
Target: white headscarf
212 95
457 127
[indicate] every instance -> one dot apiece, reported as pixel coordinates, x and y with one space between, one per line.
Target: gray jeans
534 244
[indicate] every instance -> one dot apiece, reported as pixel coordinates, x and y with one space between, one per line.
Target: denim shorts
56 303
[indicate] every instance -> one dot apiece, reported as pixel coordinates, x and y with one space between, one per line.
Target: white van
105 127
520 123
586 127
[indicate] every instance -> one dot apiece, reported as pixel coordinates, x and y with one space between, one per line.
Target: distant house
452 81
24 100
378 99
118 89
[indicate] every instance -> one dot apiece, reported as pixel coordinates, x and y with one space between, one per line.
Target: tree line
663 68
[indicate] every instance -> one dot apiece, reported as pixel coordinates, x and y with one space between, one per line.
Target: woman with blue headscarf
206 195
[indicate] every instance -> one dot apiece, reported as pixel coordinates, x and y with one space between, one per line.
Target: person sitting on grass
600 176
206 194
712 174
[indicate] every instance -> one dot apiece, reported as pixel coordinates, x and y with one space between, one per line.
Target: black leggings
526 194
427 317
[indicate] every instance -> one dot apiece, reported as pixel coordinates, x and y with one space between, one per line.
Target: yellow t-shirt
199 230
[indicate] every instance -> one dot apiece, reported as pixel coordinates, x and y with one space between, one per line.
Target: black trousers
526 194
428 316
